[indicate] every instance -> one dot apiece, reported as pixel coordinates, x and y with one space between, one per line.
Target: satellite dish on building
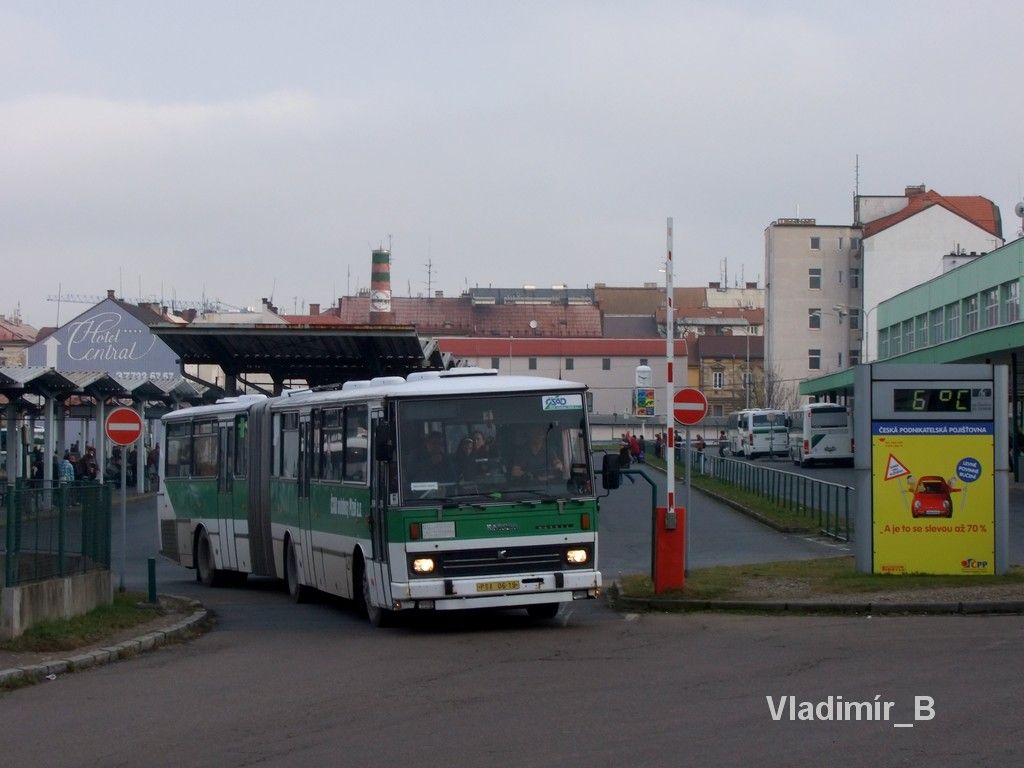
1019 209
534 324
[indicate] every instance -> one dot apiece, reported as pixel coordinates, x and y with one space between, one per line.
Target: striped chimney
380 287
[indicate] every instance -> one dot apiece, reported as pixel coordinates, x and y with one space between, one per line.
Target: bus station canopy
326 354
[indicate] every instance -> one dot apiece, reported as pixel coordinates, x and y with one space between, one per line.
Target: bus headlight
576 556
423 565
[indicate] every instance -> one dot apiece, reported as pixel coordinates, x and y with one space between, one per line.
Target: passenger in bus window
466 465
432 463
539 459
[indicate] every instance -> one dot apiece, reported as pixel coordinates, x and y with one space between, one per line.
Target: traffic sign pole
123 427
689 406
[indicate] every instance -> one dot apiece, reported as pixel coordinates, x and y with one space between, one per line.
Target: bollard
152 580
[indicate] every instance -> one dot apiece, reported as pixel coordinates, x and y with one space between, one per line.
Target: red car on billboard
932 498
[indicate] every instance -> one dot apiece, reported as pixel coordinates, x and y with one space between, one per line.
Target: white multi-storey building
823 283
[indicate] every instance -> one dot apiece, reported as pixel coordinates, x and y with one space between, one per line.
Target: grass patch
804 579
784 517
93 627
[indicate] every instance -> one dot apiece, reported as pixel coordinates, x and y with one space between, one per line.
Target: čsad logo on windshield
562 402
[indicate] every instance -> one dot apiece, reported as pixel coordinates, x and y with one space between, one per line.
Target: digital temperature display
932 400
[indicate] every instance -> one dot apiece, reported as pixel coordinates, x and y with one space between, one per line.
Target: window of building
570 363
883 343
920 331
1010 299
992 307
717 410
952 321
970 314
718 379
814 278
839 275
895 341
854 318
854 357
854 243
839 359
814 359
814 317
937 326
815 243
606 363
532 363
855 277
840 243
494 362
908 336
643 361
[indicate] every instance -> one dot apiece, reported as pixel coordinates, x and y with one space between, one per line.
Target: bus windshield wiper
539 493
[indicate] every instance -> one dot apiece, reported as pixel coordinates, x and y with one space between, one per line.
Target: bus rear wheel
298 592
206 570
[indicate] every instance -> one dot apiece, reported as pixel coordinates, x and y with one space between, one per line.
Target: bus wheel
543 611
379 617
299 592
206 572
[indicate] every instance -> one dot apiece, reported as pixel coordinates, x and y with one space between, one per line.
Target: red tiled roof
978 210
314 320
459 316
730 346
469 347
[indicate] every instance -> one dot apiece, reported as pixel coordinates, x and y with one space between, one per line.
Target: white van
821 432
757 432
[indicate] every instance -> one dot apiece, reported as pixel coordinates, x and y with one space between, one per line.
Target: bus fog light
423 565
576 556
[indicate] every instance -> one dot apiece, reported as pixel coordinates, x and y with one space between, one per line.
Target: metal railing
53 531
830 505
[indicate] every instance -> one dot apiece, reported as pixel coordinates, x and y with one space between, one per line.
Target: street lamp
864 333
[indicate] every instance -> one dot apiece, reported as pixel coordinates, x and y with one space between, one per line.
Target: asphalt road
279 684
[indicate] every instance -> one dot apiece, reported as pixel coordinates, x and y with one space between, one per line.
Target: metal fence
831 505
48 532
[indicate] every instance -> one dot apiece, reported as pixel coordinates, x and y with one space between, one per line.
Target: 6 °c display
932 400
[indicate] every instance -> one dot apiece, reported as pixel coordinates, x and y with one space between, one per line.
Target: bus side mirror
383 442
611 474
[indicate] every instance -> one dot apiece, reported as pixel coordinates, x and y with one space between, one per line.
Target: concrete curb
807 607
125 650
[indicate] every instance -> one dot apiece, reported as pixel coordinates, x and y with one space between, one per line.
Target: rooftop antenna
430 277
856 189
1019 210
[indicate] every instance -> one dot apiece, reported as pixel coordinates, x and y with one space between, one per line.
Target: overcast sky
246 149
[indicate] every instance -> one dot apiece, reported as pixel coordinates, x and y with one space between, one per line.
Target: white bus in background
757 432
821 432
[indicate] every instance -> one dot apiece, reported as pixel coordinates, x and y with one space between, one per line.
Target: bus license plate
496 586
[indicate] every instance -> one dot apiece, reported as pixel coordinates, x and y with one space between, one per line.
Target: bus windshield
484 448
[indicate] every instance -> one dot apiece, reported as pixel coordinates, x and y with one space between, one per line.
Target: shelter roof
315 353
34 380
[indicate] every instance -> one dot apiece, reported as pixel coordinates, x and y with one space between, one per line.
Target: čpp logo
970 564
554 401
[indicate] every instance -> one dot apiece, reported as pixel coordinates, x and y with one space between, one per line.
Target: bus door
380 473
226 495
302 506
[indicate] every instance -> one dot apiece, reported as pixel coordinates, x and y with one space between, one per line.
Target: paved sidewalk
18 668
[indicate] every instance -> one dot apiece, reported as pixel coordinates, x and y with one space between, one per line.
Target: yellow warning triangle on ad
894 468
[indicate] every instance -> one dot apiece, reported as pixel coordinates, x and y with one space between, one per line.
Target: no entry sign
123 426
689 406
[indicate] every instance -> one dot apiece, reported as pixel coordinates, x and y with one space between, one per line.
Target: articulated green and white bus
446 490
